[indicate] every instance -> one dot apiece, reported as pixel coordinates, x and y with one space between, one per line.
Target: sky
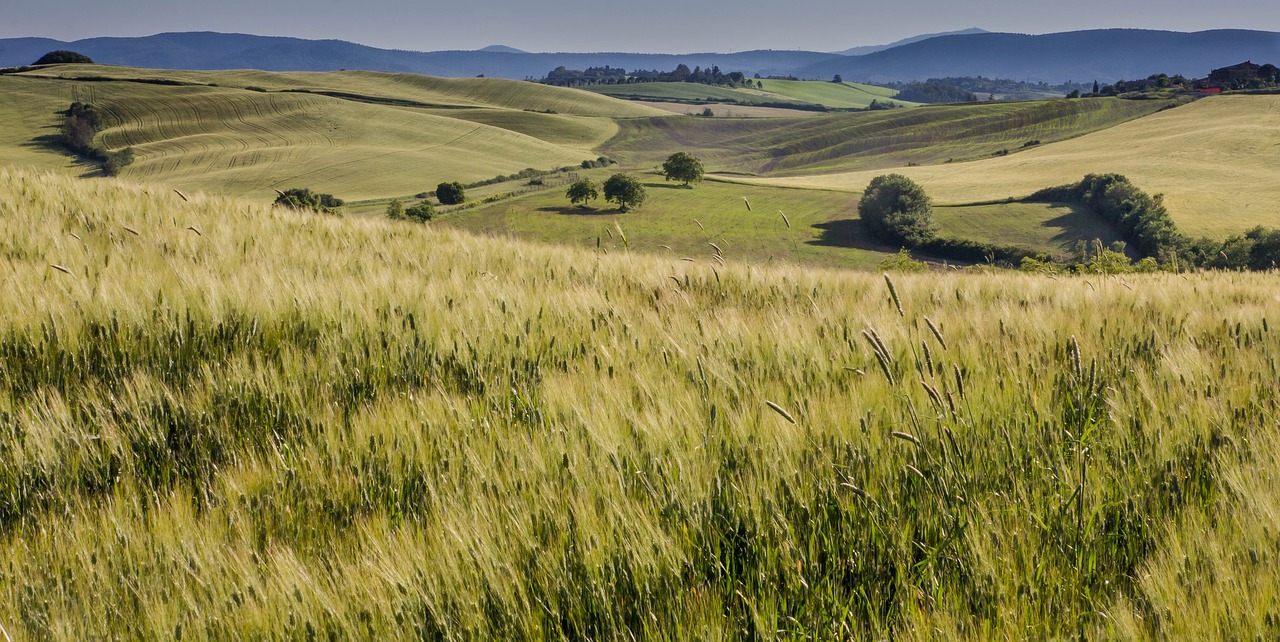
668 26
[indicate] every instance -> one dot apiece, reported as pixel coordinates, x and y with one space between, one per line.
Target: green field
1051 228
870 140
834 95
1214 160
692 93
221 420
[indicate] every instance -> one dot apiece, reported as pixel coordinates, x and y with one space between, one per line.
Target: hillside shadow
847 233
1079 224
52 142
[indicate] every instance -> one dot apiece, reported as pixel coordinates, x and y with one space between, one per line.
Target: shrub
395 210
302 198
902 262
450 193
422 212
897 210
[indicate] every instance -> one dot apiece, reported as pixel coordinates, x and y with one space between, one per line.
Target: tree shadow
574 210
847 233
52 142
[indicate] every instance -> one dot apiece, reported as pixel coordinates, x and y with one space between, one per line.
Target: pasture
224 420
846 95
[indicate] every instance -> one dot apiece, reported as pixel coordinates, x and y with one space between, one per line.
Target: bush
302 198
450 193
422 212
902 262
395 210
897 210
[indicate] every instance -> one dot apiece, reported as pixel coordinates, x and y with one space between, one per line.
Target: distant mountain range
866 49
1082 56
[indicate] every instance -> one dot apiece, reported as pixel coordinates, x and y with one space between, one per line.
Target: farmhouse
1242 72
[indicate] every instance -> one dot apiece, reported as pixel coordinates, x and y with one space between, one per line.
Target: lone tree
582 191
624 190
683 167
896 209
838 79
62 56
450 193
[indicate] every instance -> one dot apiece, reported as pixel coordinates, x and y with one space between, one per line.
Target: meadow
819 228
223 420
774 92
1213 160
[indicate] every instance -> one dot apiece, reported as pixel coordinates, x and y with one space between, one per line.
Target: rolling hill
1215 161
355 134
888 138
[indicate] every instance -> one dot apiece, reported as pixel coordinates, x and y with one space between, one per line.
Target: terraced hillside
1217 162
383 135
870 140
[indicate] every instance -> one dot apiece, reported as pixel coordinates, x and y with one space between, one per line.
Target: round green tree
583 190
450 193
896 209
683 167
624 190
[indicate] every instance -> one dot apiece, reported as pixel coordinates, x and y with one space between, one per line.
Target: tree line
81 123
606 75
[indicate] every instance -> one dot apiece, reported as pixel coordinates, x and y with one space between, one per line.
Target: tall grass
300 426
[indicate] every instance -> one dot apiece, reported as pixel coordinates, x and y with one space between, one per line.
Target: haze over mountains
1104 55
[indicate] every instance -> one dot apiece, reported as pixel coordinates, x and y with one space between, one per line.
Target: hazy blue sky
613 25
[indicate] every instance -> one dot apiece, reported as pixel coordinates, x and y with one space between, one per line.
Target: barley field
225 421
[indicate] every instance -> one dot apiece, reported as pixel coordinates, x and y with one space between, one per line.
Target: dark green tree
838 79
896 209
582 191
302 198
395 209
683 167
450 193
62 56
624 190
422 212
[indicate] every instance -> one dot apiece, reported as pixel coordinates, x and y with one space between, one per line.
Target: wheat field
221 420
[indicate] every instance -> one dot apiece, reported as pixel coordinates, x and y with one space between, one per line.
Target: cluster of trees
63 57
562 77
627 191
81 123
422 212
980 85
302 198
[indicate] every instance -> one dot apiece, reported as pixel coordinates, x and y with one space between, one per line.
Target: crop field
870 140
1214 160
729 110
223 420
242 142
847 95
378 87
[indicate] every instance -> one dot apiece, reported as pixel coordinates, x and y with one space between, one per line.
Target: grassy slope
839 96
869 140
1214 160
294 425
224 138
689 92
825 228
687 220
